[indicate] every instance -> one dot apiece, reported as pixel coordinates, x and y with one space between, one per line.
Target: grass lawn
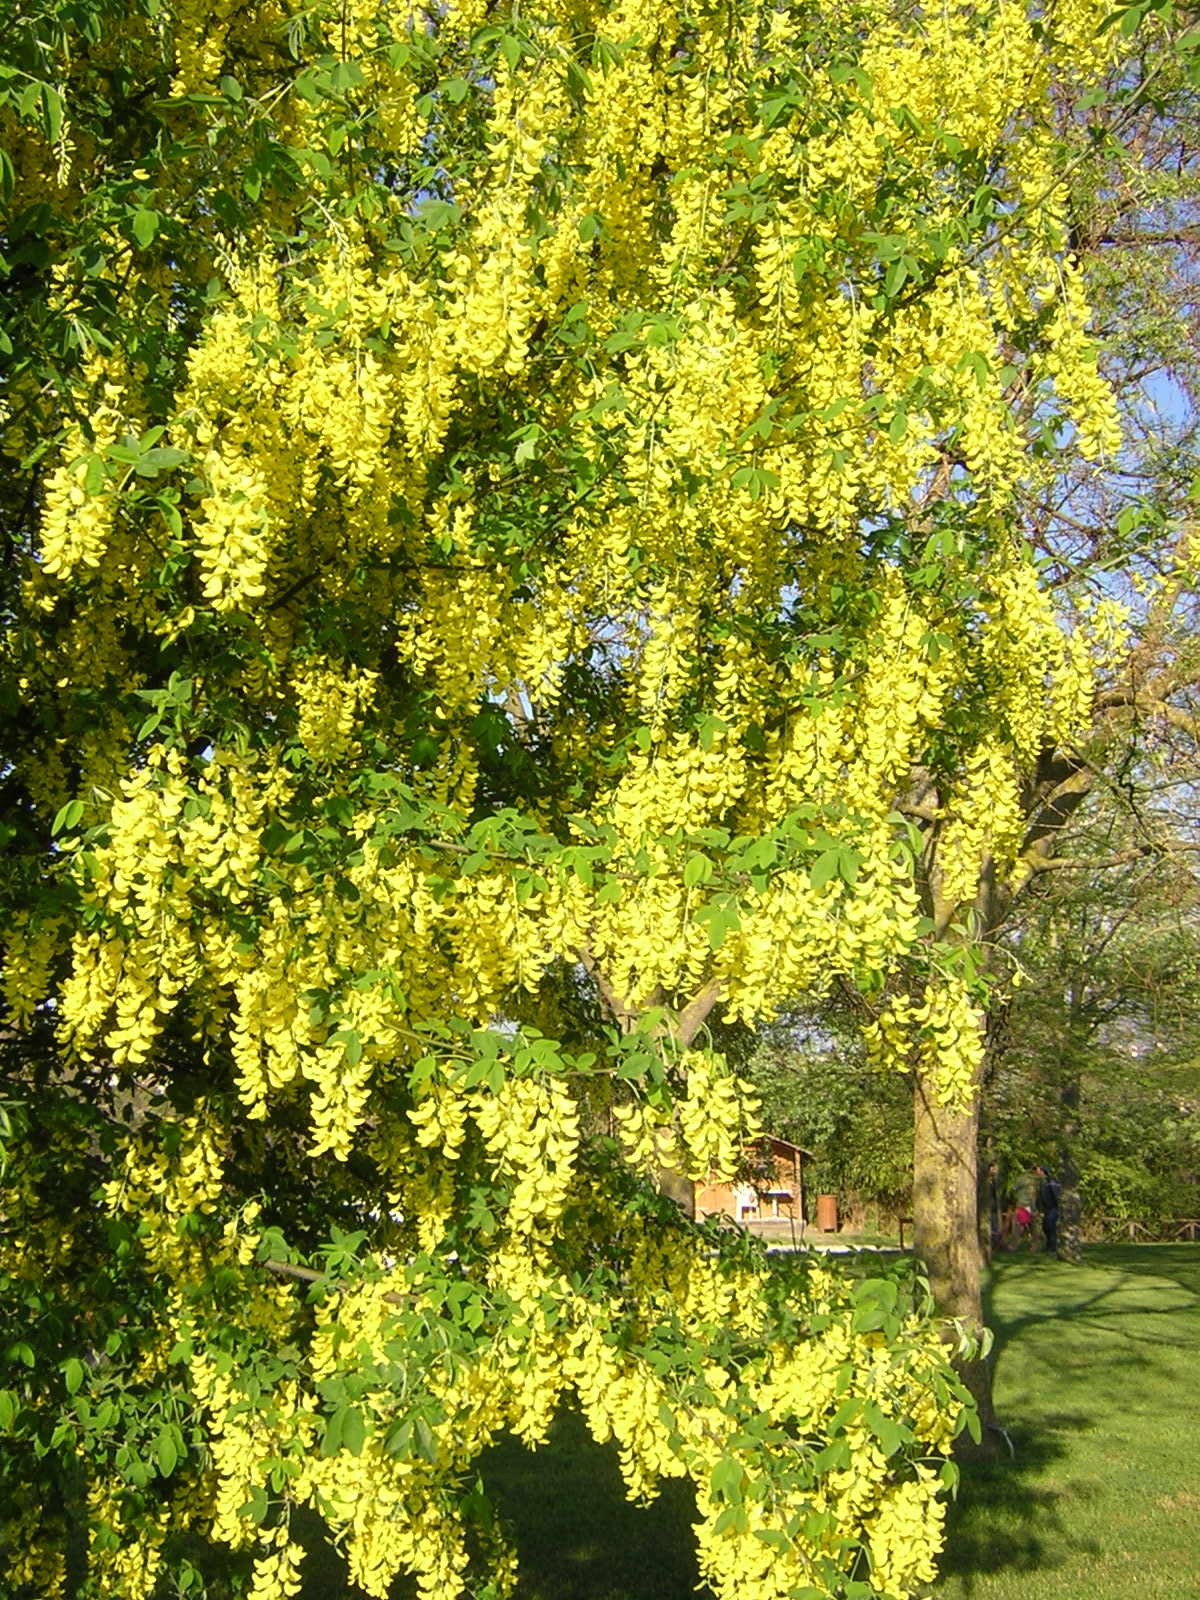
577 1535
1097 1386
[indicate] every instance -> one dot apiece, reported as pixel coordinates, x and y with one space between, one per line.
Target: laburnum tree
496 506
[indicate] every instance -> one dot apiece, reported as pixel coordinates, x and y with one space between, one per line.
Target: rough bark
685 1025
1070 1206
946 1233
946 1139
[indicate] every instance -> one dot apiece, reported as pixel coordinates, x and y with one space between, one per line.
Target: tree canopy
491 497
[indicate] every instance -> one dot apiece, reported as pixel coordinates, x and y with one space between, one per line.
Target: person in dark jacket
1048 1196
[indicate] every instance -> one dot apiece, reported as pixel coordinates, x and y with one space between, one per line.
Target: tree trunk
677 1186
1069 1203
946 1232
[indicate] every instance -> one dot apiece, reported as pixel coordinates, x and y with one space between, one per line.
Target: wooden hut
769 1187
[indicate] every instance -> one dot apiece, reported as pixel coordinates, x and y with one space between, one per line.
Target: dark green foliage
819 1093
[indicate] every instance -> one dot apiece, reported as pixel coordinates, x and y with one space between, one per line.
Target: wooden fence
1170 1229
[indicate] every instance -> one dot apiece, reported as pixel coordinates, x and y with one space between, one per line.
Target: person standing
1048 1198
1024 1200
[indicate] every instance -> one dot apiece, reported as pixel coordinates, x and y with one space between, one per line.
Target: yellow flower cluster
77 519
940 1035
121 1564
1037 678
646 1132
333 702
530 1129
161 1186
901 699
984 822
392 1507
232 534
904 1533
31 953
716 1116
1071 363
277 1571
37 1562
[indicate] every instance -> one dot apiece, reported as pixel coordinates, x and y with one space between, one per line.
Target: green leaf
73 1375
52 112
163 458
635 1066
731 1516
68 818
722 918
145 226
726 1480
257 1506
331 1443
169 512
775 1538
898 426
425 1442
354 1431
436 213
699 869
166 1452
826 867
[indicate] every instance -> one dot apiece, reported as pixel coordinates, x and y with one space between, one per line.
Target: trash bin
827 1213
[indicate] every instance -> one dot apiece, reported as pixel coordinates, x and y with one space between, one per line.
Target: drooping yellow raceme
985 823
940 1034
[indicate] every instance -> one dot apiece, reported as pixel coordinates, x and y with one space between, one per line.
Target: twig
285 1269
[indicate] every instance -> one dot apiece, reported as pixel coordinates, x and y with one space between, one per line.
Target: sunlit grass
1096 1382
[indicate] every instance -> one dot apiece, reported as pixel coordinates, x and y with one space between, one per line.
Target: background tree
818 1091
1093 1067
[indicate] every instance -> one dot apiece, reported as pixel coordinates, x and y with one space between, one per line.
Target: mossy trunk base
946 1236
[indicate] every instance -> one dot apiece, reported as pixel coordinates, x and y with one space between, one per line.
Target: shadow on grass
1003 1520
577 1536
1180 1262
